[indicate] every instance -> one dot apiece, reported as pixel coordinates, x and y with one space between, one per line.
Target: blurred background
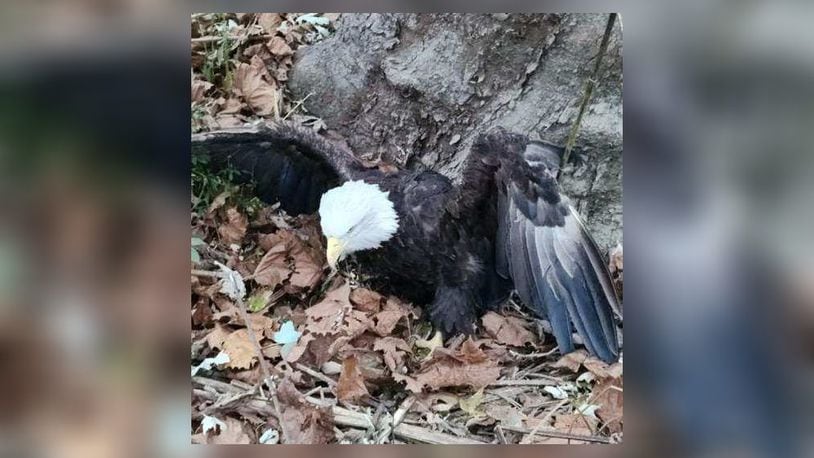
94 189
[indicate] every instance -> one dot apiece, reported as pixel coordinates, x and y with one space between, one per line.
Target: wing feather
287 163
555 266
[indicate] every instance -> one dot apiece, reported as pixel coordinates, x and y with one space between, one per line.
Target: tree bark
416 89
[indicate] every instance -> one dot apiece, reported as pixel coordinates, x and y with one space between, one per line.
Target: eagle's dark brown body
459 250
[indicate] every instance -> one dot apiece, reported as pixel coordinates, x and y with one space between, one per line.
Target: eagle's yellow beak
335 251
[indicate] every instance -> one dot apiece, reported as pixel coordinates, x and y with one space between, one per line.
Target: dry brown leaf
574 423
262 325
372 365
230 106
240 349
279 47
601 369
608 395
271 351
351 384
506 414
199 88
507 330
234 228
410 383
217 336
386 321
308 264
201 312
254 84
304 423
328 316
450 373
393 350
226 121
273 267
572 361
269 21
471 353
366 300
218 201
299 349
467 366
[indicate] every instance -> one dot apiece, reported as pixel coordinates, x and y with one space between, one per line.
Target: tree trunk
416 89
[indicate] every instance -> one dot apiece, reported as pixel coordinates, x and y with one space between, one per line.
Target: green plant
208 184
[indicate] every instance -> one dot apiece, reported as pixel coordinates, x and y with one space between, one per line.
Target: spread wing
287 163
542 245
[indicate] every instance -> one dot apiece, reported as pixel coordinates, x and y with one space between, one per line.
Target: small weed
208 184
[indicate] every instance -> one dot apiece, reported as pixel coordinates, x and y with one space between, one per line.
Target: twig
212 39
397 418
559 435
315 374
206 273
527 439
589 90
542 382
264 367
342 416
297 105
419 434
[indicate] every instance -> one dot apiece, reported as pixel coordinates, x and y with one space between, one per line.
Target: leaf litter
348 364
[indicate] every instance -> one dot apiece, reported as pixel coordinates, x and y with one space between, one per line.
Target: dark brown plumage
459 250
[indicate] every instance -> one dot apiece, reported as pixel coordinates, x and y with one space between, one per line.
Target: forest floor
282 352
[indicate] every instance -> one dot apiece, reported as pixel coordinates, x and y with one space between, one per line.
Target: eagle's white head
356 216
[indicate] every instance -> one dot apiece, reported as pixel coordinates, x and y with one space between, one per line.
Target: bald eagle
460 250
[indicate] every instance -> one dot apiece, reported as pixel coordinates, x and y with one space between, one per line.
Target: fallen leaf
351 384
273 267
230 106
235 227
470 405
366 300
328 316
507 330
199 88
308 263
304 423
279 47
269 21
231 284
394 350
385 321
217 336
574 423
601 369
471 353
259 300
437 341
560 391
467 366
609 396
572 361
507 415
240 349
253 83
227 121
449 374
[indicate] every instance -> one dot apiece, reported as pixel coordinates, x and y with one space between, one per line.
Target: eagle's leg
454 310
